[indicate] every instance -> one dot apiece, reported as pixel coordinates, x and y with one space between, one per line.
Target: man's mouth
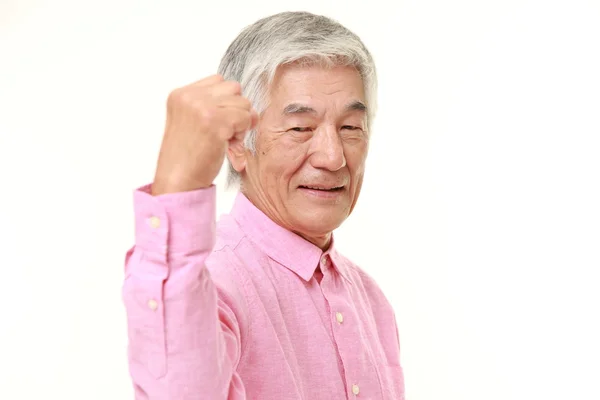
323 188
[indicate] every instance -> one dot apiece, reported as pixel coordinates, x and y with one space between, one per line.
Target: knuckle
208 114
173 97
210 80
234 86
179 97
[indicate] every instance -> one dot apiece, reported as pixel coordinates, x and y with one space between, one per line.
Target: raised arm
184 332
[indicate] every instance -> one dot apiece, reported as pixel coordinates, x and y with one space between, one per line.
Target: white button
339 317
324 261
355 389
154 222
153 305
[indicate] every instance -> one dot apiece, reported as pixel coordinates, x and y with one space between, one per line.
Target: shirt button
355 389
324 261
339 317
153 305
154 222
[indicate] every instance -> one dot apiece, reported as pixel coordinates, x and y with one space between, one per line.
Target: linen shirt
245 309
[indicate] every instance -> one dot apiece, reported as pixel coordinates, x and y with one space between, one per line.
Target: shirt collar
287 248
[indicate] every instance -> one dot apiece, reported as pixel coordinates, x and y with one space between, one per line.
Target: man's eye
351 128
300 129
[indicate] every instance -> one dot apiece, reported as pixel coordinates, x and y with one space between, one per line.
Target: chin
320 223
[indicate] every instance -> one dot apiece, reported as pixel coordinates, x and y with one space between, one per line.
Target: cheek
284 159
356 156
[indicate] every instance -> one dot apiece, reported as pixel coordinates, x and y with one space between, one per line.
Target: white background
479 215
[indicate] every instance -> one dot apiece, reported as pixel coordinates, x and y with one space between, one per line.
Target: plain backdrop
479 216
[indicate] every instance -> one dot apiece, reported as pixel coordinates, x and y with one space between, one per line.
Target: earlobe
237 155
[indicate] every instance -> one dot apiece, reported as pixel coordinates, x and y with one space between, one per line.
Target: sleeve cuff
175 222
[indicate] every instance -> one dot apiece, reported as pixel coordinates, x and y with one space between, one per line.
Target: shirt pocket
392 377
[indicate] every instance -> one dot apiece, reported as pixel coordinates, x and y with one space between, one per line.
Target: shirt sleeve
184 340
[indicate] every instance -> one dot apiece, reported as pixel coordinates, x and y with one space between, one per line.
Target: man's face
311 148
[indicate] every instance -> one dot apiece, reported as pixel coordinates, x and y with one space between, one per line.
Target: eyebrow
356 106
296 108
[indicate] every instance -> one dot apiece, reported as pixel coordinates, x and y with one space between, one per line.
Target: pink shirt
248 310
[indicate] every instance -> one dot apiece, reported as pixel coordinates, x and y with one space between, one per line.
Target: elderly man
261 305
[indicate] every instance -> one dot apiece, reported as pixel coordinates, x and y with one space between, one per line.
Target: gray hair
253 57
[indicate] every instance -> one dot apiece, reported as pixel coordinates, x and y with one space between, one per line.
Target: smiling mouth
323 189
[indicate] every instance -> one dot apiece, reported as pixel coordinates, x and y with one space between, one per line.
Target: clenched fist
202 118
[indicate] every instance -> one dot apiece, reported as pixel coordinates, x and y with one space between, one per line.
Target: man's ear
237 154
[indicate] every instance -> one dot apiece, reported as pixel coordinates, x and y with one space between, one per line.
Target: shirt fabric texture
247 310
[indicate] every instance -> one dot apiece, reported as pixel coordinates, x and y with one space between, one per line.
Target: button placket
325 263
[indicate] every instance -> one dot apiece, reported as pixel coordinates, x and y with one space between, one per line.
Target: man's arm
184 343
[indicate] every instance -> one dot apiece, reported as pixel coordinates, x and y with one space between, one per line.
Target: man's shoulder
359 274
355 271
234 257
224 263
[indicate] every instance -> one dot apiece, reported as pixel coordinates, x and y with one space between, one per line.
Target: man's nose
327 149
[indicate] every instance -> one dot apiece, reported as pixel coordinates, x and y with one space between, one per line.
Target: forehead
296 83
